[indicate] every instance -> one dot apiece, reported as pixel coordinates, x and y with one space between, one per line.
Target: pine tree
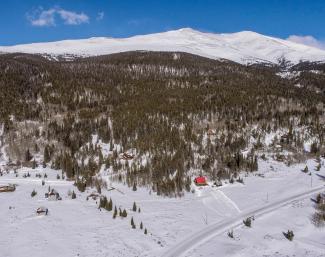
132 223
115 213
109 205
73 195
134 187
103 202
46 155
145 231
141 225
36 148
28 156
134 207
34 164
124 213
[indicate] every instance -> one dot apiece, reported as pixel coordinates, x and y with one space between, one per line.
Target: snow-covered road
181 248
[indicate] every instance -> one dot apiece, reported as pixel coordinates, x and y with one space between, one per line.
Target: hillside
175 114
122 137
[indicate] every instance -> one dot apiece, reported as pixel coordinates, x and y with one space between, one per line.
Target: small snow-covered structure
217 183
53 195
42 211
126 156
93 196
200 181
7 188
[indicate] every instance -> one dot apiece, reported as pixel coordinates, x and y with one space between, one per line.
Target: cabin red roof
200 180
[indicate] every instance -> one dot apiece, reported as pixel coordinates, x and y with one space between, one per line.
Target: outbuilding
9 188
200 181
42 211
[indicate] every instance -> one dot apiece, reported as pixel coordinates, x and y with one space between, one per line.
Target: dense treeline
181 113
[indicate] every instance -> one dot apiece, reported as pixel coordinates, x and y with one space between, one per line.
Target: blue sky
23 21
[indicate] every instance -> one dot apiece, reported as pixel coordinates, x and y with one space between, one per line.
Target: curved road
220 227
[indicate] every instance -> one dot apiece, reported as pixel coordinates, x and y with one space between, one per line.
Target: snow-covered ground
242 47
76 227
265 237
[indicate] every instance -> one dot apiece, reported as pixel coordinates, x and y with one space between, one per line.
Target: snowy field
265 237
76 227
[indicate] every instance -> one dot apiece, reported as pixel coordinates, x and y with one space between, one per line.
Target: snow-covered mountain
242 47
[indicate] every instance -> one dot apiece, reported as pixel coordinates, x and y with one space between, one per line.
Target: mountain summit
242 47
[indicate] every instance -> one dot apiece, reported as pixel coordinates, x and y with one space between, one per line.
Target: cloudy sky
24 21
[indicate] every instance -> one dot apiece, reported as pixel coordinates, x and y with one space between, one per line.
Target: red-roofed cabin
200 181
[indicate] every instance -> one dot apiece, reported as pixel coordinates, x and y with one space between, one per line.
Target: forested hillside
174 114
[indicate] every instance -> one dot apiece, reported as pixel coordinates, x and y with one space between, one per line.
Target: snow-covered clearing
265 238
76 227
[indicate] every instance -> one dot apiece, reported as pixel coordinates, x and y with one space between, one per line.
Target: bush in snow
73 195
305 170
230 234
80 185
288 235
33 193
248 222
318 217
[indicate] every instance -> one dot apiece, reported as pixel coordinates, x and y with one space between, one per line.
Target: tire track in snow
35 181
219 203
228 200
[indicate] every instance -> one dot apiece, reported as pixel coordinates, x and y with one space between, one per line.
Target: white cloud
72 18
307 40
100 16
42 17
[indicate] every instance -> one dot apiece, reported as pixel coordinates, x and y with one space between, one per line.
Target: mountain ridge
243 47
